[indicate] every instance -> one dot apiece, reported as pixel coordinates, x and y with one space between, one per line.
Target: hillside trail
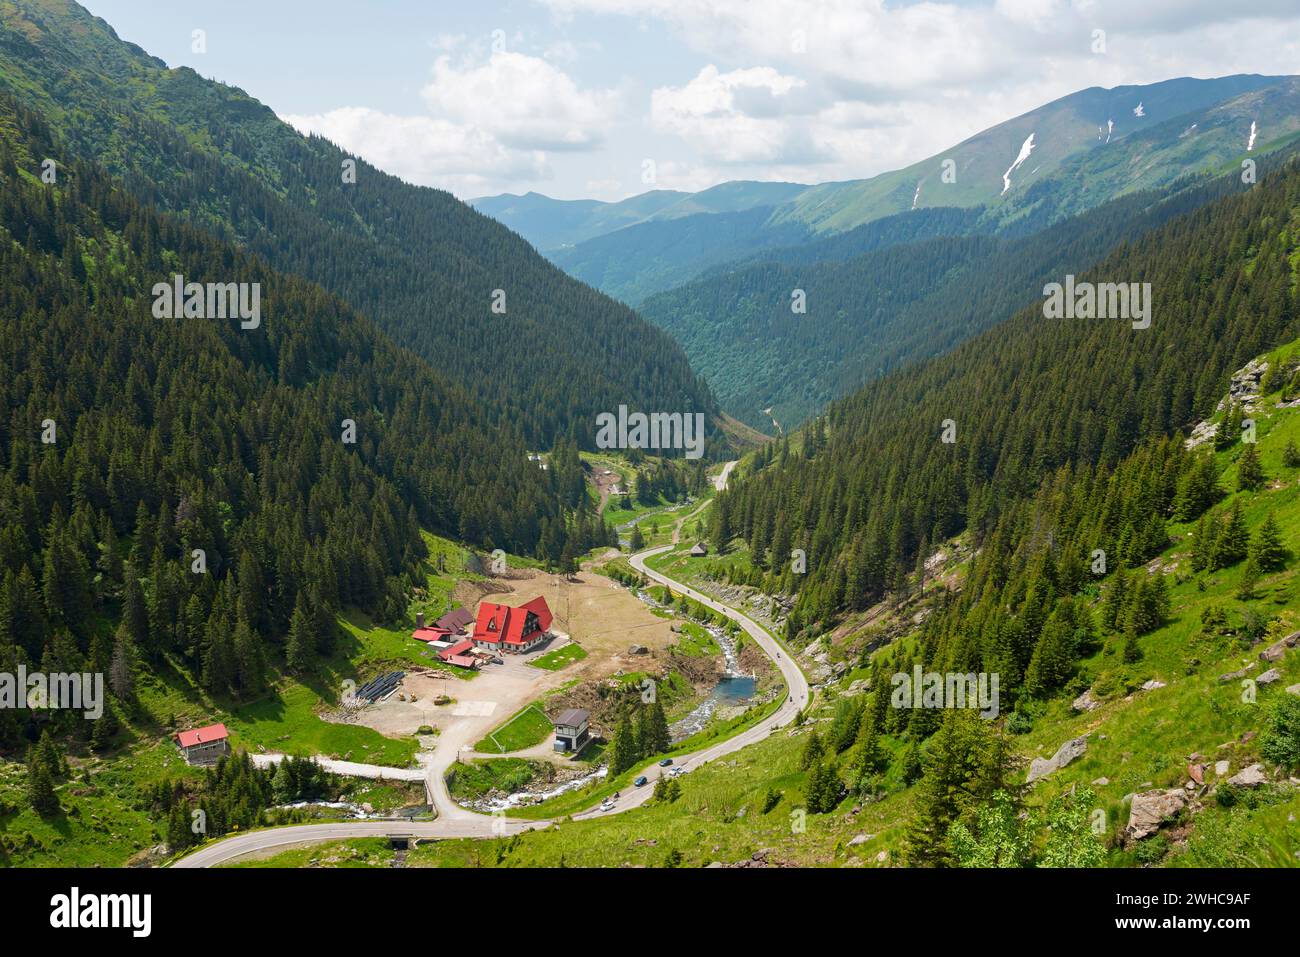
719 483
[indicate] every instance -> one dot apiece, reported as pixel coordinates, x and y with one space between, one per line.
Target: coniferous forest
949 582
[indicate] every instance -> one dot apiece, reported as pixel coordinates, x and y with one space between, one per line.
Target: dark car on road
665 762
639 781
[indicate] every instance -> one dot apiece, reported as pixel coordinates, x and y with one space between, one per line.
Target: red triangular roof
501 623
213 732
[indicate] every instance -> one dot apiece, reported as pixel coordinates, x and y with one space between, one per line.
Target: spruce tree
1266 547
1250 473
40 787
300 646
1234 541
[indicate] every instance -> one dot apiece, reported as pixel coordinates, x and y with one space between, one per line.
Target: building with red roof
459 654
514 630
204 745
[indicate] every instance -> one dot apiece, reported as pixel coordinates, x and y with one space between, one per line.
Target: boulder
1196 772
1251 777
1275 651
1234 675
1072 749
1293 689
860 839
1268 677
1153 684
1101 782
1085 702
1151 809
1221 768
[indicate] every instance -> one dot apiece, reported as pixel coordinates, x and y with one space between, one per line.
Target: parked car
665 762
640 782
606 806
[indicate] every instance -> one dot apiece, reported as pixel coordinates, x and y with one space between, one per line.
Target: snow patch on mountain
1138 110
1025 149
1250 144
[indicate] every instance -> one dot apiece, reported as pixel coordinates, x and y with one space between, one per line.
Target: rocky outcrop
1268 677
1072 749
1085 702
1151 809
1277 649
1251 777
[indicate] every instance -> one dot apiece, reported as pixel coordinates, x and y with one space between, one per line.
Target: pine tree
623 749
1291 455
40 787
121 671
179 835
282 783
658 737
300 646
1266 547
1250 473
1233 542
1053 658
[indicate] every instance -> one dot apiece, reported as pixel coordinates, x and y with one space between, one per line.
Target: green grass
287 722
361 852
467 780
557 659
525 728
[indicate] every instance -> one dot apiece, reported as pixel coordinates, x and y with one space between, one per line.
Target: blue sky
606 98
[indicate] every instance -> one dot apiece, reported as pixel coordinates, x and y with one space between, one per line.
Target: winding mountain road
454 821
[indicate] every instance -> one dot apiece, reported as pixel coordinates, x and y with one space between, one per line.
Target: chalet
450 626
571 733
455 621
459 654
204 745
501 628
700 550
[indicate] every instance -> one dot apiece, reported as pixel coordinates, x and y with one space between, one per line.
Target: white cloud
736 117
466 160
524 101
491 125
873 85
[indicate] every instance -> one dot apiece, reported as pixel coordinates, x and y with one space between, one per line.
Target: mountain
997 166
868 312
873 481
425 267
1086 149
199 494
554 224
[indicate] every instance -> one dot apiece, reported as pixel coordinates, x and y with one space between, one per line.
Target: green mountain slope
869 313
556 224
299 457
1149 151
1188 127
424 266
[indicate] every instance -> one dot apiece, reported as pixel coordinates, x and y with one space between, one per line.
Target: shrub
1281 743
